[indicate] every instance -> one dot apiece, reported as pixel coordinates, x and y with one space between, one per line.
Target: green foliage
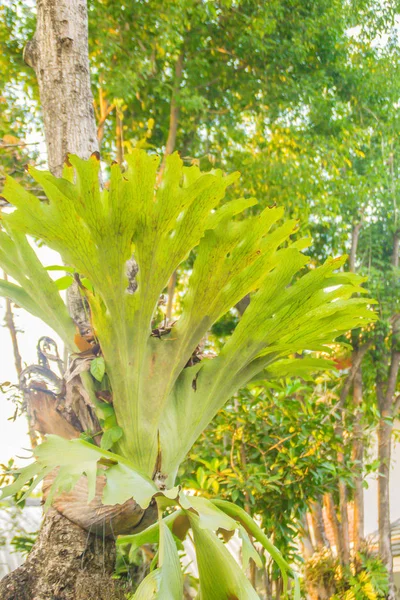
247 67
273 451
98 368
219 573
365 579
18 91
216 563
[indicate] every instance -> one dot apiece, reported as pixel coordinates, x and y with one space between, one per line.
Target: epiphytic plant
158 399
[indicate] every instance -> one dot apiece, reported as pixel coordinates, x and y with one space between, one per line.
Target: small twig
10 323
280 442
19 145
396 405
86 546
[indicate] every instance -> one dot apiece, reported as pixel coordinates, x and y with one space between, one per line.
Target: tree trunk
387 403
174 109
355 234
104 111
173 113
306 543
267 584
343 549
58 53
385 428
344 523
318 526
358 455
64 564
334 524
169 148
385 546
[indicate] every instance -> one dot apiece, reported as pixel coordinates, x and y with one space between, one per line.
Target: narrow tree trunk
306 543
318 527
267 584
103 112
395 252
173 114
387 403
174 109
358 455
278 589
169 148
315 590
385 544
58 53
355 234
334 524
344 523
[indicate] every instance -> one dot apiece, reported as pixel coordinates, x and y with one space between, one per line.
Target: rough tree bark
66 562
174 109
334 523
58 53
318 527
358 455
384 452
356 363
388 406
343 523
306 541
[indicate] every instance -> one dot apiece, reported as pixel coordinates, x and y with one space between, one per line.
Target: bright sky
13 434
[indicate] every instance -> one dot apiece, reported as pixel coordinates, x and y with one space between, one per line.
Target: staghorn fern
162 405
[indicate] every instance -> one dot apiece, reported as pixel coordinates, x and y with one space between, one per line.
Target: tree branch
105 110
396 405
392 379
